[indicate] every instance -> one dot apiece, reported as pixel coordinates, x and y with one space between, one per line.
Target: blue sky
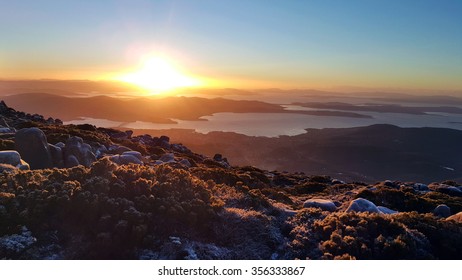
375 43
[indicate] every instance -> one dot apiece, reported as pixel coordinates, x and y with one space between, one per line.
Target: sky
240 43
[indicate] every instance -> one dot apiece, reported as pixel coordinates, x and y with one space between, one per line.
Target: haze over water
276 124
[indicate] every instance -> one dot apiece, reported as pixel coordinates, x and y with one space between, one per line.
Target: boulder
164 138
145 139
23 165
60 144
337 182
223 161
125 159
390 184
288 212
169 157
135 154
323 204
71 161
3 122
116 149
7 130
180 148
456 217
128 158
185 162
385 210
81 151
114 159
362 205
32 145
122 135
442 211
220 158
421 187
449 190
10 157
14 159
164 141
56 155
100 151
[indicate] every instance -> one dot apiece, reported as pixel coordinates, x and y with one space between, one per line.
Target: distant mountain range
149 109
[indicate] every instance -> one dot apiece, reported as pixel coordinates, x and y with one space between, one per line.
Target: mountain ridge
158 110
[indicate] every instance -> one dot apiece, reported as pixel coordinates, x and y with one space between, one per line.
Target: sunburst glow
159 75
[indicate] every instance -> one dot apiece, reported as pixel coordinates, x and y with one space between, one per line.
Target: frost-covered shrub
406 199
310 187
373 236
12 245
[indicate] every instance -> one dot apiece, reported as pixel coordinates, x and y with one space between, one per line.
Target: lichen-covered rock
385 210
60 144
362 205
56 155
32 145
71 161
449 190
117 149
23 165
168 157
185 162
125 159
129 158
421 187
100 151
134 153
442 210
81 151
10 157
324 204
5 130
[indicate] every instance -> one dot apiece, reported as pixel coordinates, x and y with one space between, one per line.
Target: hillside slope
368 154
113 195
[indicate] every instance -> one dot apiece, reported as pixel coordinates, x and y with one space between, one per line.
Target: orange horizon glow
206 81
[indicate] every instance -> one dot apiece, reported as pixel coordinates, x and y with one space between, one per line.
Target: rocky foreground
81 192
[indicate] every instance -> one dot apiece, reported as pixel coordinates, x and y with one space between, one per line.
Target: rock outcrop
11 157
56 155
362 205
76 148
324 204
442 211
32 145
385 210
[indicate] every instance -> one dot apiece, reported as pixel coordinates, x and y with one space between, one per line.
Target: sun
159 75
